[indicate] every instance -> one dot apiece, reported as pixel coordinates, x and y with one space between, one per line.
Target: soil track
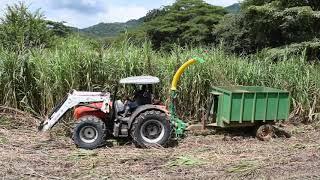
25 154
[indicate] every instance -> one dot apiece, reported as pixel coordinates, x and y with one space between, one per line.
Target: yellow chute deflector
178 74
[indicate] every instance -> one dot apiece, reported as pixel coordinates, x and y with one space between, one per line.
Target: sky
84 13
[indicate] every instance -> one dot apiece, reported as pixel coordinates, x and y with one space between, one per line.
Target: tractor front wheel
89 132
151 128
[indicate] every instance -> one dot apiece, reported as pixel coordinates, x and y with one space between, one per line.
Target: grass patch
185 161
298 130
82 154
243 167
299 146
3 140
5 122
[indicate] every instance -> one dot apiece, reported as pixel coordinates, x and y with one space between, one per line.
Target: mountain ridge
110 29
114 29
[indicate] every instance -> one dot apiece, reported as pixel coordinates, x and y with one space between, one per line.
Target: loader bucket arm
179 125
74 98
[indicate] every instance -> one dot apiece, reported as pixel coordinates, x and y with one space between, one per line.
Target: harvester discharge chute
179 125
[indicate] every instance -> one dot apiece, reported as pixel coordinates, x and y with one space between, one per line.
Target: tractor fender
144 108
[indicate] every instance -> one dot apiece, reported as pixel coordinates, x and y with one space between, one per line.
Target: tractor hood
140 80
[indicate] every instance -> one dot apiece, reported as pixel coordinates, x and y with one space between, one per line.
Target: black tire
86 127
151 129
265 132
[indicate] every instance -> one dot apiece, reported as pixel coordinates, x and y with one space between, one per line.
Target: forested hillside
234 8
273 24
291 26
110 29
104 30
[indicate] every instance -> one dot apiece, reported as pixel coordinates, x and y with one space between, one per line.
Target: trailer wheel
151 128
89 132
265 132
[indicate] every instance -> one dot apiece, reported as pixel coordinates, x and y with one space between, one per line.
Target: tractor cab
142 95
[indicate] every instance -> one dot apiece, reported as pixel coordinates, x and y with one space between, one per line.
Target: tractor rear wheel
89 132
265 132
151 128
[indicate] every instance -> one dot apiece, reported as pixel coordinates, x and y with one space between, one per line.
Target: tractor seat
123 109
119 107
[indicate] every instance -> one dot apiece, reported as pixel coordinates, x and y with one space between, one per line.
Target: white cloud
89 2
124 13
4 3
74 18
111 14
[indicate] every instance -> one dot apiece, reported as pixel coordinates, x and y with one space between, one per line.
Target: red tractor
142 118
97 116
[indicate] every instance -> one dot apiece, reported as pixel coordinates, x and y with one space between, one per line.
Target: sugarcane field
181 89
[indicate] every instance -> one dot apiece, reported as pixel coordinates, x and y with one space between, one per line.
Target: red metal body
92 109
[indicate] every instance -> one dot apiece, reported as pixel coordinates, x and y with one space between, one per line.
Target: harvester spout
179 125
181 70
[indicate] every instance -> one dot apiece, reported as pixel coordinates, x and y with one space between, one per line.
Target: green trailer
247 106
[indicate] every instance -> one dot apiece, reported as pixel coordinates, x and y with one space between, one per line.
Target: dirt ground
27 154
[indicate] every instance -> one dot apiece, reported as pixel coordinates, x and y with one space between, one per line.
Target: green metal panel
284 103
248 106
245 104
225 112
271 111
260 107
236 107
219 111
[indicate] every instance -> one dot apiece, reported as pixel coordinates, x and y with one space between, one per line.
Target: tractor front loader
100 115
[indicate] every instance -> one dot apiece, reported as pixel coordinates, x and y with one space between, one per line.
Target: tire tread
93 120
139 120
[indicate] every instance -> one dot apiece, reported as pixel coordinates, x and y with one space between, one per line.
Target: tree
59 29
270 23
184 22
152 14
22 29
314 4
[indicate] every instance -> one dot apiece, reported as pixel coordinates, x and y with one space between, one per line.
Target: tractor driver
141 97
